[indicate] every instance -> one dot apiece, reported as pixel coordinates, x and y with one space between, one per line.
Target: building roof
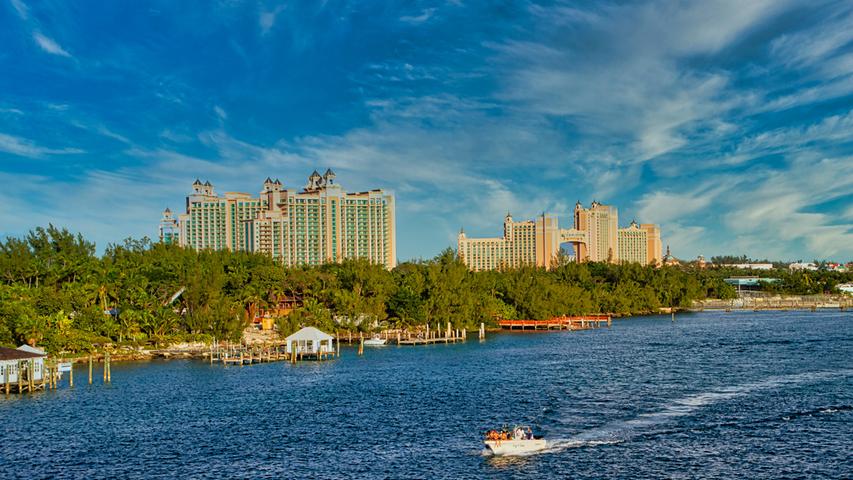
309 333
27 348
207 184
15 354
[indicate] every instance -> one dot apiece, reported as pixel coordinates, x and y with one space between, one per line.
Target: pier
558 323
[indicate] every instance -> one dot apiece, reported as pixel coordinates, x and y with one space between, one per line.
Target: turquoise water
712 395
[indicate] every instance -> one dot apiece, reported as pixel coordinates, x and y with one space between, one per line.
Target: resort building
595 237
527 243
316 224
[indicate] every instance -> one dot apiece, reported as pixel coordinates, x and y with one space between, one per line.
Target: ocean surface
712 395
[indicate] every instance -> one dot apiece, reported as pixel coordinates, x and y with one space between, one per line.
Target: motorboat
518 441
375 342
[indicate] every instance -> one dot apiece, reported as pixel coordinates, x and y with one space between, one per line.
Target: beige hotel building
596 237
319 223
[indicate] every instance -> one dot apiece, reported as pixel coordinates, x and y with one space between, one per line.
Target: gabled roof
309 333
197 182
276 182
268 180
329 173
314 174
14 354
27 348
207 184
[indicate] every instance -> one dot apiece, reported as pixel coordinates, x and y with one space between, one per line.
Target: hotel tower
317 224
596 237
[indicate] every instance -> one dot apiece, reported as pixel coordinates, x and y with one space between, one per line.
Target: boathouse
310 341
15 362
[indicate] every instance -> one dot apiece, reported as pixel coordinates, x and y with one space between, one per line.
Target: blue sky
730 123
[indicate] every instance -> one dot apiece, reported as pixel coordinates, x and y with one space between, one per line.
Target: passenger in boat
518 434
529 433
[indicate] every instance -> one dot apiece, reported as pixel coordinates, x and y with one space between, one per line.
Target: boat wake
640 426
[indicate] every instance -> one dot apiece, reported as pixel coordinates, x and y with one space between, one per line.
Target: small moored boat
375 342
519 441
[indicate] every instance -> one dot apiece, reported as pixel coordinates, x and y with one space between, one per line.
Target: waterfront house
14 362
310 341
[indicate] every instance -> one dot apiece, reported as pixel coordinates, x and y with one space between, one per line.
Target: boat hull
375 342
515 447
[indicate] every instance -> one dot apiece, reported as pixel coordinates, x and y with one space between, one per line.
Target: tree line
55 291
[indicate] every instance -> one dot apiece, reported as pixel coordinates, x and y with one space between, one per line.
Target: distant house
14 362
846 288
749 283
802 266
310 341
750 266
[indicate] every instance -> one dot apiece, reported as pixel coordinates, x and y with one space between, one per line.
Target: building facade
526 243
317 224
596 237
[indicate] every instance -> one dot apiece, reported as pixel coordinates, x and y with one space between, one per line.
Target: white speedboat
520 441
375 342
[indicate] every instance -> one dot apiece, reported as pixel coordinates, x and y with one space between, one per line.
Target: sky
729 123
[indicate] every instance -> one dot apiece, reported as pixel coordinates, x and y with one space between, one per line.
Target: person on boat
518 434
529 433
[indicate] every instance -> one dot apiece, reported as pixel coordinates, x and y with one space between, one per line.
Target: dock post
241 358
338 347
106 367
90 369
31 375
6 373
293 351
21 368
398 337
361 346
71 376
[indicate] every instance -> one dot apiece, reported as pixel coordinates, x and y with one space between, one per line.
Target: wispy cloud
423 17
26 148
49 45
21 8
266 19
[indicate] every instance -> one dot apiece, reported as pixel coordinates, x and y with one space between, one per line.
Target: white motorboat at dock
376 341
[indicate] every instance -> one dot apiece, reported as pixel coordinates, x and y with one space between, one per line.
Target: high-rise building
169 231
527 243
596 237
317 224
640 244
600 224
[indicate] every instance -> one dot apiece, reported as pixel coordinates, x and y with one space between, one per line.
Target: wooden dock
558 323
250 355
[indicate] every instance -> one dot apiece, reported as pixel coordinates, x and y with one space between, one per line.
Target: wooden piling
7 372
361 346
90 369
482 331
31 375
21 368
71 376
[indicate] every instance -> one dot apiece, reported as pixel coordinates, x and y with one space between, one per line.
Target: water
713 395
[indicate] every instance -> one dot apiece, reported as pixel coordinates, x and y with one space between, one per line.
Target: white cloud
424 16
21 8
49 45
622 73
26 148
220 112
267 18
